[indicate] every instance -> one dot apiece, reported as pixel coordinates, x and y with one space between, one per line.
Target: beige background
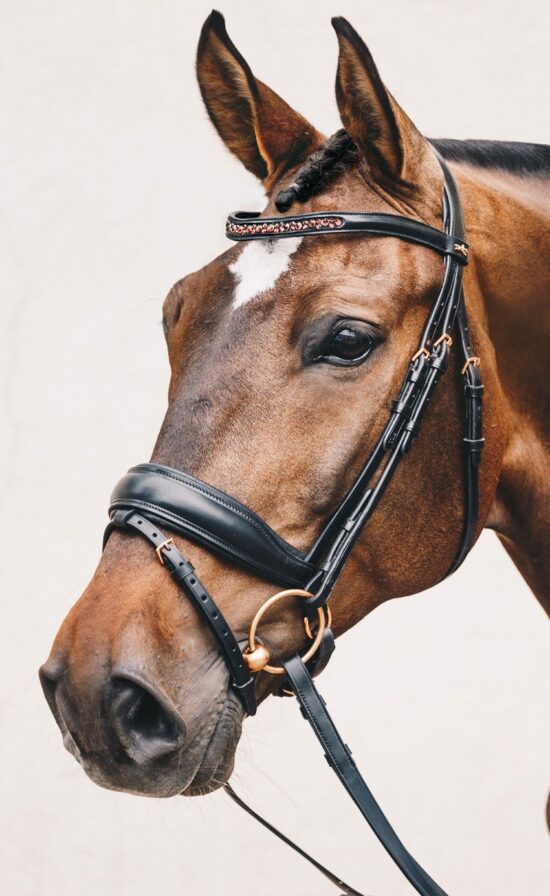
106 155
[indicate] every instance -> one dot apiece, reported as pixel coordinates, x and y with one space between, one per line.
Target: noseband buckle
164 546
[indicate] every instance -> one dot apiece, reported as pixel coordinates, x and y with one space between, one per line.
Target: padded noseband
200 512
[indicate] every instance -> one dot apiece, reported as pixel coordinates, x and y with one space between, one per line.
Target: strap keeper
440 362
474 390
474 444
399 407
241 687
474 448
247 695
414 372
120 517
181 573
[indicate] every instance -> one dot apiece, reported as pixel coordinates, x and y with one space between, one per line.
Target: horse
285 356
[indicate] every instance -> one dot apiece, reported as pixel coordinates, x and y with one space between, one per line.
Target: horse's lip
220 770
60 708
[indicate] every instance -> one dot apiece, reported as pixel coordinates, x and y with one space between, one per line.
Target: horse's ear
393 147
254 123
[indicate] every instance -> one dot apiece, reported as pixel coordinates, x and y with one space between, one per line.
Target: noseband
150 496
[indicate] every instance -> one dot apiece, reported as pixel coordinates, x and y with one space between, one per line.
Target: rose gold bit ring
328 622
256 656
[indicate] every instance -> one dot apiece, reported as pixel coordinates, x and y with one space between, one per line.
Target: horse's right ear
254 123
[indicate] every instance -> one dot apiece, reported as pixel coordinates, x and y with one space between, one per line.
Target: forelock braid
332 158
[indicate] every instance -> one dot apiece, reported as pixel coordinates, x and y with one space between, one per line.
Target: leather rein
152 495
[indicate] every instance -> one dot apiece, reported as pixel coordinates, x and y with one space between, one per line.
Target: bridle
150 495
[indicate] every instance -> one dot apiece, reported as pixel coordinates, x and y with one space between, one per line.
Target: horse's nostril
49 684
145 724
49 681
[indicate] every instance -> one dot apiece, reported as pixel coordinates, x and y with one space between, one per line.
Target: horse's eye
348 346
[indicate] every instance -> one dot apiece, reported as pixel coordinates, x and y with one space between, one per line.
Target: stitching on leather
256 523
324 739
351 778
135 502
223 503
312 718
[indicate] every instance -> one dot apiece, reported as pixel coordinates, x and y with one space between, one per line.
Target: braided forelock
332 158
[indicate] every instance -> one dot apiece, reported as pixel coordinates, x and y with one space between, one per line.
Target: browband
203 514
250 226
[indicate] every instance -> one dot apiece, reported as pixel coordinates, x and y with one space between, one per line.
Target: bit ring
275 598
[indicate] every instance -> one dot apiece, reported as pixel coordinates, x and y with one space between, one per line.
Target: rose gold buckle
421 351
307 626
444 338
474 361
161 547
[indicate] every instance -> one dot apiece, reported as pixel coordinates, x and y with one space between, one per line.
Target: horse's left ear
263 131
393 148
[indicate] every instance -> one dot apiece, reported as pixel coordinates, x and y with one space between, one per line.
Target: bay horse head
285 356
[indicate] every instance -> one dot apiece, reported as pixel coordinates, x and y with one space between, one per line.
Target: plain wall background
106 155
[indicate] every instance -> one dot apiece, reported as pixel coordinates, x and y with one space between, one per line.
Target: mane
332 158
339 153
523 159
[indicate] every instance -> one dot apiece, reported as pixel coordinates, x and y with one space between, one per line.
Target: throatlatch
152 495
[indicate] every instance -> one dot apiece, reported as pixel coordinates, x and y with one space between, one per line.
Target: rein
153 494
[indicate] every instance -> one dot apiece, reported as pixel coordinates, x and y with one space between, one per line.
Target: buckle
421 351
444 338
162 547
473 360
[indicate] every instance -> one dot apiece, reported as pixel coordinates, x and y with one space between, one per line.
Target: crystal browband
234 228
251 226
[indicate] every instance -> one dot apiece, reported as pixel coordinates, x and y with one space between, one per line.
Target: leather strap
215 520
341 532
224 525
339 758
184 575
333 878
252 226
473 441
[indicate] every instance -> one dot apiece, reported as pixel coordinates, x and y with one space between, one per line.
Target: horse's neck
508 220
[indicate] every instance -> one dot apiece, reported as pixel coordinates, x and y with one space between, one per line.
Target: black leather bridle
153 495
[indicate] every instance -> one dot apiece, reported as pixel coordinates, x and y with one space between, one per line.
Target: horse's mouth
200 766
218 759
